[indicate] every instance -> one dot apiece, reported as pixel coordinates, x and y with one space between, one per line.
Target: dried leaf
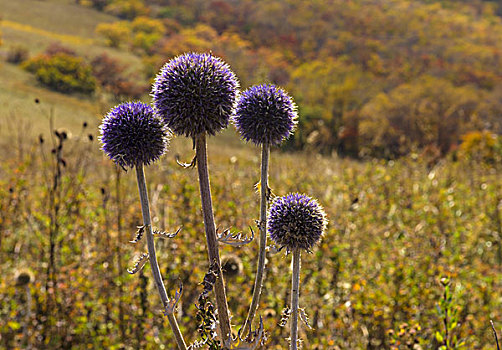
254 340
174 301
163 234
304 317
139 234
286 312
235 239
192 164
139 264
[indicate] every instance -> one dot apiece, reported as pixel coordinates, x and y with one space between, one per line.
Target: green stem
260 272
295 296
145 209
212 242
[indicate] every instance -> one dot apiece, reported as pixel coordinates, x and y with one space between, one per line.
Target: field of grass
396 230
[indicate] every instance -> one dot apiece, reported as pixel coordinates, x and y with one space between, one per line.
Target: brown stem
145 209
295 296
212 243
260 272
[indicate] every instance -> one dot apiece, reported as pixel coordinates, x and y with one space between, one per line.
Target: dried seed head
24 277
296 221
265 114
195 93
231 265
269 313
132 134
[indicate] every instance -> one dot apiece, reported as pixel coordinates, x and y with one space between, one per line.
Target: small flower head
265 114
132 134
195 93
296 221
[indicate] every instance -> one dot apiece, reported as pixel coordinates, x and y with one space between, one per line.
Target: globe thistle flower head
195 93
132 134
296 221
265 114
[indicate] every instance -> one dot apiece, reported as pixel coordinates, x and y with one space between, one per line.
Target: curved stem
145 209
210 228
260 272
295 296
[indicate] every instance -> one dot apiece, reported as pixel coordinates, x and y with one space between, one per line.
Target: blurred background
400 106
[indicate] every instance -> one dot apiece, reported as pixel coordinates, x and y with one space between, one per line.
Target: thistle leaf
192 164
270 194
139 264
197 344
163 234
304 317
139 234
254 340
174 301
235 239
286 312
209 280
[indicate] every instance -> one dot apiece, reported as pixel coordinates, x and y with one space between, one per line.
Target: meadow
396 228
411 259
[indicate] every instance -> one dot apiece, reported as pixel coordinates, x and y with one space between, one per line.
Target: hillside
349 64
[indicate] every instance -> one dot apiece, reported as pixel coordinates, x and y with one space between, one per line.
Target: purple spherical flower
265 114
132 134
296 221
195 93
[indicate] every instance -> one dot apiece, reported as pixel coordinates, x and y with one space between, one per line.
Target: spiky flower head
296 221
132 134
195 93
265 114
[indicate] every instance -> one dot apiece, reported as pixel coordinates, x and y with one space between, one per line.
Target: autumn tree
330 93
426 112
115 33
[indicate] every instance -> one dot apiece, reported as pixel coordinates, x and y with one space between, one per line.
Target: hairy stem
260 272
145 209
295 295
212 243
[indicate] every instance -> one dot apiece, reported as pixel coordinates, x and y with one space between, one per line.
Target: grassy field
396 229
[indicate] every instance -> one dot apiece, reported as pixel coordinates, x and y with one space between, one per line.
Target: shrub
127 9
98 4
108 72
17 54
147 25
62 72
55 48
482 146
147 32
114 33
